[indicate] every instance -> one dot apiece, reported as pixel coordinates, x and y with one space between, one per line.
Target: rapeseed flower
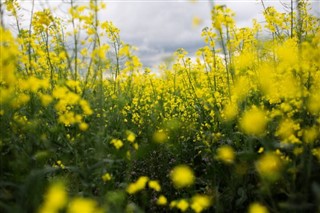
162 200
106 177
310 134
230 111
254 121
316 153
226 154
182 176
269 166
257 208
55 199
287 131
200 202
160 136
83 126
183 205
154 184
83 205
131 137
117 143
45 99
314 103
137 186
196 21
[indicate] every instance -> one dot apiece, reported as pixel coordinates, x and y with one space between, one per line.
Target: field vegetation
85 127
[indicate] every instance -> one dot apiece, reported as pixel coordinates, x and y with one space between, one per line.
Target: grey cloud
159 27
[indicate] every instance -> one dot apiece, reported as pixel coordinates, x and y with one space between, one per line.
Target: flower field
85 127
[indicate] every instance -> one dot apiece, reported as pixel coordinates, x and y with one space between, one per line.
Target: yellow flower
310 134
55 198
257 208
314 103
286 131
83 126
139 185
83 205
59 92
316 153
200 202
131 137
160 136
60 164
226 154
182 176
85 107
261 150
254 121
297 151
162 200
136 146
117 143
106 177
183 205
45 99
173 204
269 166
230 111
20 100
154 184
196 21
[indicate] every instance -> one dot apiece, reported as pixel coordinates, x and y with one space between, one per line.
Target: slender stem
299 21
48 58
229 54
291 20
1 15
75 48
29 41
226 62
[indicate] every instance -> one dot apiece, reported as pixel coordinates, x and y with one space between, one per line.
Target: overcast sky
159 27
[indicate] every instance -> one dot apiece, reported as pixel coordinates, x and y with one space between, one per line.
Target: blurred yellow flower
196 21
83 205
269 166
310 134
106 177
226 154
154 184
316 153
230 111
139 185
131 137
83 126
314 103
287 131
182 176
257 208
183 205
200 202
162 200
261 150
254 121
55 198
136 146
160 136
173 204
45 99
60 164
117 143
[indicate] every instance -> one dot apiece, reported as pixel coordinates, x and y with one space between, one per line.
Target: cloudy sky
159 27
